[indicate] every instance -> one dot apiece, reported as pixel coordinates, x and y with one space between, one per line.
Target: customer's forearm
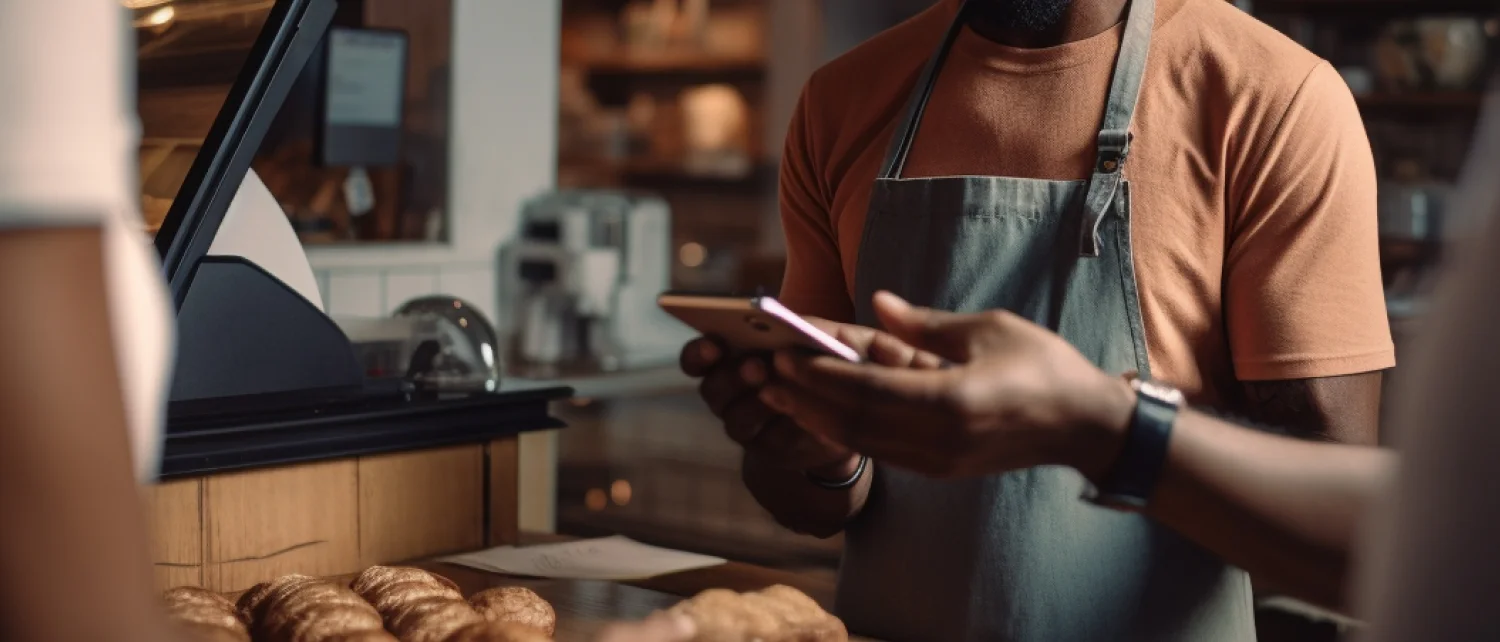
74 562
1283 509
801 505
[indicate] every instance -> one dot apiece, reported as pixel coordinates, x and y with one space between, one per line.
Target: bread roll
377 578
298 608
518 605
192 632
494 631
416 605
378 635
775 614
396 594
204 615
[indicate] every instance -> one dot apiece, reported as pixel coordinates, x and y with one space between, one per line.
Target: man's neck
1082 19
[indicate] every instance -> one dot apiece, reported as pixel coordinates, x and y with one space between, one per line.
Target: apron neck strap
1125 86
1124 90
916 104
1114 133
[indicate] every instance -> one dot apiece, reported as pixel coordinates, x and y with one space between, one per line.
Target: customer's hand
1018 396
730 385
660 627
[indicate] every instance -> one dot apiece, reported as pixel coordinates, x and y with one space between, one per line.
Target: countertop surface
585 607
657 380
256 432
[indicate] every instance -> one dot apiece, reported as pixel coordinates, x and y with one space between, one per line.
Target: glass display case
373 174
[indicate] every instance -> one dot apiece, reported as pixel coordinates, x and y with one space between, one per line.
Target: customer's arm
1285 510
73 554
74 563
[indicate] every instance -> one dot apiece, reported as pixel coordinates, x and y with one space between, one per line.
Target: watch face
1159 392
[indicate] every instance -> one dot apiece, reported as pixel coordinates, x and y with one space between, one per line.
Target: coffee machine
580 281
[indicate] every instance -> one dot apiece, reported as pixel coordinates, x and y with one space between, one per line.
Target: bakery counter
584 608
226 435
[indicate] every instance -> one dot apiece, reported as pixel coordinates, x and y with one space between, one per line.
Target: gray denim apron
1020 557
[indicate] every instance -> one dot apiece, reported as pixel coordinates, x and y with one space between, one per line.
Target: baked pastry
298 608
516 604
380 635
496 631
377 578
203 615
775 614
416 605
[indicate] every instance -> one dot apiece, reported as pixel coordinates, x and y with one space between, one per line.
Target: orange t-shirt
1253 188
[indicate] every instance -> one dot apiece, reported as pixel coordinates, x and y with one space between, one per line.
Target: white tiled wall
376 291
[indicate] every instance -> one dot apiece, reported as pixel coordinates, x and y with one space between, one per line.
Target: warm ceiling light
159 18
143 4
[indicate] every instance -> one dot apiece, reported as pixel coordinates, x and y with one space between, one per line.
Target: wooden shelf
668 61
657 171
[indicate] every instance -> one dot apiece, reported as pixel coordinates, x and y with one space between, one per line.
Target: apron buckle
1114 146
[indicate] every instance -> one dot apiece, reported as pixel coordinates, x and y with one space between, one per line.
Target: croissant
298 608
497 631
203 615
517 605
775 614
416 605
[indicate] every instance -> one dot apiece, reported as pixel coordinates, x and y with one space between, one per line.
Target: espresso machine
579 284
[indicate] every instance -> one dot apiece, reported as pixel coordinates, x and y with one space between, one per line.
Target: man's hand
730 385
1018 396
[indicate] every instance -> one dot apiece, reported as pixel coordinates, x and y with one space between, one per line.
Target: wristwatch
1129 484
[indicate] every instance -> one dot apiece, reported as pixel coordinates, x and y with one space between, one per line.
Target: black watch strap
1130 483
859 471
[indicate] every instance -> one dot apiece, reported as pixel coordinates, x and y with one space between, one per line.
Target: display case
283 452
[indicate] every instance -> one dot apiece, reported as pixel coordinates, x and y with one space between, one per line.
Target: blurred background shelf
668 61
661 173
1376 9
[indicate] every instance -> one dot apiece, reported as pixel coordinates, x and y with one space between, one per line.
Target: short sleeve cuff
1313 367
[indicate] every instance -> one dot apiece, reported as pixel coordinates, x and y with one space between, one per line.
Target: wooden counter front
226 532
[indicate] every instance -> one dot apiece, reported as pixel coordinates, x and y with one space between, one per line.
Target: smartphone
752 324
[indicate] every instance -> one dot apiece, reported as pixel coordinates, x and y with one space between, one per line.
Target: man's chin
1029 15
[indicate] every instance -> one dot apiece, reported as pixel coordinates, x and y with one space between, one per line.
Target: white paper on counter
615 558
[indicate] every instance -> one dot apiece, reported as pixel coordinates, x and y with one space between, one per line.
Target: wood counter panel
174 509
228 532
266 523
504 494
420 504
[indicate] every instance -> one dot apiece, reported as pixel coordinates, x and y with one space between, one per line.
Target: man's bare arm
1344 409
800 505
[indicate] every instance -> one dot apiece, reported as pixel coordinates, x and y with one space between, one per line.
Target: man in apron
1238 263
